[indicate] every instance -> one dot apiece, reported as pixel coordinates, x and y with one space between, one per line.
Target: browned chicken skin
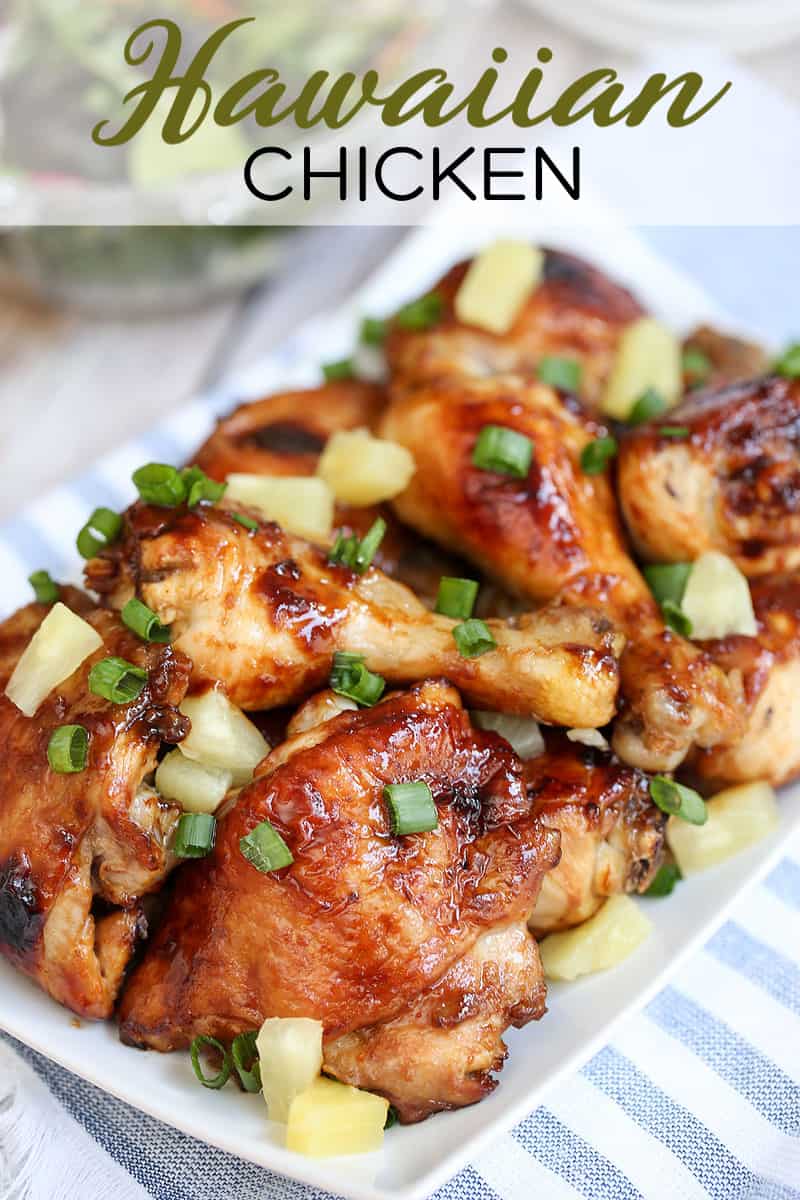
732 485
556 535
612 834
387 940
264 613
729 358
576 312
68 840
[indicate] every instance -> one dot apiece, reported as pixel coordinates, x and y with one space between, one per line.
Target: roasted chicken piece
77 851
263 613
612 835
411 950
576 312
285 434
729 358
770 667
556 535
731 484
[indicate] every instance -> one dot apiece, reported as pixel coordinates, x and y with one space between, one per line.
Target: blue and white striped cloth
698 1096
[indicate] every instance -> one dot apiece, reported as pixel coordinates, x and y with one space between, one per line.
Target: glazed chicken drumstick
263 613
411 950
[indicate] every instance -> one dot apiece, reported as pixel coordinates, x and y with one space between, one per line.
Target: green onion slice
246 522
102 528
597 454
667 581
678 800
68 749
561 373
473 638
349 677
265 848
697 365
503 450
195 835
45 590
342 368
144 622
664 880
392 1117
200 488
160 484
456 597
674 431
223 1075
358 555
676 618
117 680
789 362
650 404
421 313
411 807
245 1060
373 331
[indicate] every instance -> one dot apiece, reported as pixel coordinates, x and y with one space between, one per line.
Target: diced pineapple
361 469
603 941
197 788
290 1055
648 356
522 733
498 282
737 818
588 737
61 643
221 736
334 1118
717 598
300 504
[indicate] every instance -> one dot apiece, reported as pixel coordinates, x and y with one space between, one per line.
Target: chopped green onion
473 638
199 487
421 313
678 800
697 365
664 880
341 369
789 362
676 618
674 431
68 749
503 450
597 454
392 1117
102 528
116 680
411 807
667 581
246 522
373 331
45 590
350 552
456 597
561 373
349 677
144 622
223 1075
243 1052
160 484
265 848
650 404
195 835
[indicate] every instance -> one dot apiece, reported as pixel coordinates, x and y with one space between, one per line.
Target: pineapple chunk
300 504
361 469
197 788
334 1118
61 643
221 736
603 941
497 284
648 356
290 1054
737 818
522 733
717 598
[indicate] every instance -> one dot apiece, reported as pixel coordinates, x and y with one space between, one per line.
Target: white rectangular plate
582 1016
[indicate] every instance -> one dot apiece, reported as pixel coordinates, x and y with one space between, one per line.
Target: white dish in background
582 1017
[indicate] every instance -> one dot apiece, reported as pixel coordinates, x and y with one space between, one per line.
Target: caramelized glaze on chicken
386 940
556 535
264 613
576 312
732 484
729 358
612 834
69 841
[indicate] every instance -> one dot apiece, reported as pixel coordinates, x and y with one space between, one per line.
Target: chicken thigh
410 950
263 613
68 841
